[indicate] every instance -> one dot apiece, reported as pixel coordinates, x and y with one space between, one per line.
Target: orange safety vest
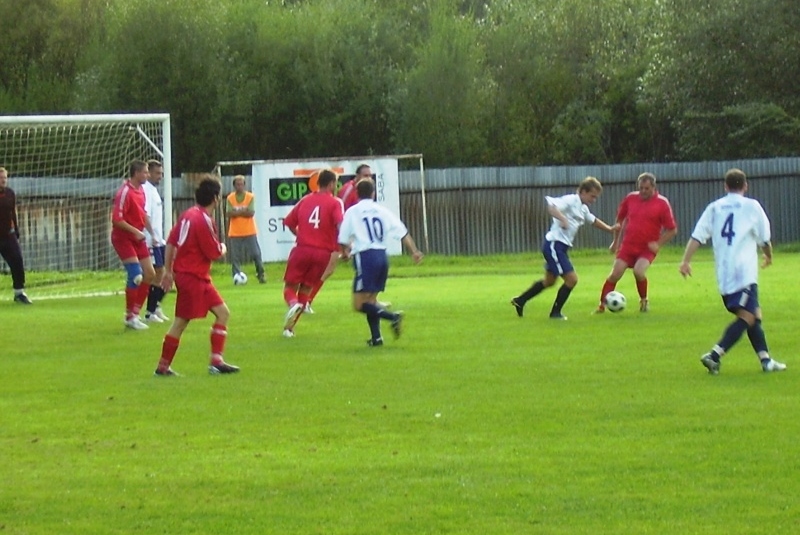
241 226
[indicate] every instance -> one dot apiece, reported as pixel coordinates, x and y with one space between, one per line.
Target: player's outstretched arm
331 267
685 267
416 254
766 251
617 235
169 259
602 225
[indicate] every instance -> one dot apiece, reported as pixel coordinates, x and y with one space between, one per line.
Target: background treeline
467 83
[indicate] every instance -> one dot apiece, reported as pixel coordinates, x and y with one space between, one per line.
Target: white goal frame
66 141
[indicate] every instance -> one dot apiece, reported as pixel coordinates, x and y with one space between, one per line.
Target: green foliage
579 135
475 421
166 55
443 105
748 131
465 82
40 53
325 89
743 64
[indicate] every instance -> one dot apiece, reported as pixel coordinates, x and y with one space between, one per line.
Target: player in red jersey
349 197
315 220
129 220
192 245
647 223
348 192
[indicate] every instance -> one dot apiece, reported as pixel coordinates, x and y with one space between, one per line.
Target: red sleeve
345 190
118 212
207 238
290 220
622 211
337 212
352 198
172 239
667 217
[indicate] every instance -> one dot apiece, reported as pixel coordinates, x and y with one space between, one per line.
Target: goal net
65 170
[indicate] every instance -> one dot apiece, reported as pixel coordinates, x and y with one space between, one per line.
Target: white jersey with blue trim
737 226
155 211
576 213
368 225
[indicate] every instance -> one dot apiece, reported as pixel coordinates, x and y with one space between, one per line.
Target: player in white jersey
364 236
155 241
737 226
569 213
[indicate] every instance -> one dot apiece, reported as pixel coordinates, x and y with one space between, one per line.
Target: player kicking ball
192 246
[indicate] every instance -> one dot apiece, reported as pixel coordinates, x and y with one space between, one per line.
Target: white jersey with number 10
368 225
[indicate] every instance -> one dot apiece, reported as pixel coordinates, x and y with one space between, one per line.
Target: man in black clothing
9 238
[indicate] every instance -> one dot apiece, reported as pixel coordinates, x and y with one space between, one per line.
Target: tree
726 77
442 102
43 41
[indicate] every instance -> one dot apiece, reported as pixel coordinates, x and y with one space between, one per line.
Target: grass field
475 421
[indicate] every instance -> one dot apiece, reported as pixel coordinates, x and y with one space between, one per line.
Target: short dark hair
207 191
136 166
365 189
326 176
735 179
361 168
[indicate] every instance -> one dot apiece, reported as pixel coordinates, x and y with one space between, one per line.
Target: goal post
65 170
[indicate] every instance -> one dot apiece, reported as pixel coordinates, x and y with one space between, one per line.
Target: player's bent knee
135 275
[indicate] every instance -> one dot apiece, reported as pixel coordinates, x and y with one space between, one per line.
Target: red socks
218 335
641 287
168 349
608 286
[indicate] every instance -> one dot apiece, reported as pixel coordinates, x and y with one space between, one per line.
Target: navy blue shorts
746 299
556 258
372 270
157 254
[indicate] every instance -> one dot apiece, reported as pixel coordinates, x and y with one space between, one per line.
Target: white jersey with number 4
369 226
737 226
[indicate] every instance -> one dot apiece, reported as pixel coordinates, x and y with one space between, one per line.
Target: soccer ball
240 279
615 301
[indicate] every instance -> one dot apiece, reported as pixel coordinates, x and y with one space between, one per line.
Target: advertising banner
279 185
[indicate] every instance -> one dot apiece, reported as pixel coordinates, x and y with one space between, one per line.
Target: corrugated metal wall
471 211
495 210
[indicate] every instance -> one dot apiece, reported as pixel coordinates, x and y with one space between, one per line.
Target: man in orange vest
242 233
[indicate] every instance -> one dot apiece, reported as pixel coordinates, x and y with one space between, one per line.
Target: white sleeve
763 228
705 225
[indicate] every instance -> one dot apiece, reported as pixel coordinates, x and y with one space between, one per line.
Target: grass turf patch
475 421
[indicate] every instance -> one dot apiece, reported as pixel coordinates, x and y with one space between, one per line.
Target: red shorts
306 265
128 248
630 255
195 297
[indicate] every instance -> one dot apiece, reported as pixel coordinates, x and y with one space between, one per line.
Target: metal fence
495 210
470 211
